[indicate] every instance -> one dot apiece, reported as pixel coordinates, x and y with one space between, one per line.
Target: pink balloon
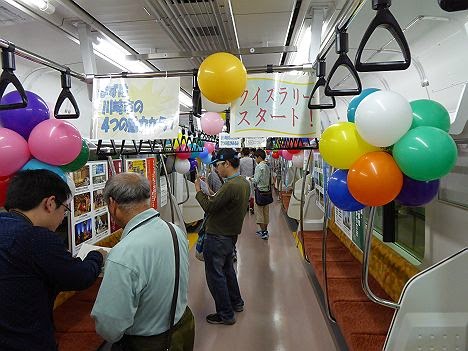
287 155
183 155
55 142
210 147
212 123
14 152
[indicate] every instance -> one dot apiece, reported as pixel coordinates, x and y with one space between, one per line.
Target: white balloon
182 166
298 160
212 106
383 117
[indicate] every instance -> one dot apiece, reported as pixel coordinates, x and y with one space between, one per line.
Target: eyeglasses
67 209
219 163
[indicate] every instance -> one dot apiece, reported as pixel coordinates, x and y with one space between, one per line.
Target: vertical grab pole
324 258
365 265
168 186
301 209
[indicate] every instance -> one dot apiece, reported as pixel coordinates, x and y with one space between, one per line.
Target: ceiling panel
262 29
262 6
115 11
261 59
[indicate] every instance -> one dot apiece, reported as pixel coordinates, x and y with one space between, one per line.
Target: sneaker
238 308
234 257
214 318
259 232
265 235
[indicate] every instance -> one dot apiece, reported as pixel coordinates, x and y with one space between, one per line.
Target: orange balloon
375 179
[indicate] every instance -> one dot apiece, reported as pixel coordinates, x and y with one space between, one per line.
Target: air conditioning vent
206 31
188 1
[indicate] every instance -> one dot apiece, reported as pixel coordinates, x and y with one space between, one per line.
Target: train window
409 228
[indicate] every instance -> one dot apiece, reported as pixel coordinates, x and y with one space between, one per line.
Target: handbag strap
176 284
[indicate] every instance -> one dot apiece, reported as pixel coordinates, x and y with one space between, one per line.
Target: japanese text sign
226 141
135 108
275 104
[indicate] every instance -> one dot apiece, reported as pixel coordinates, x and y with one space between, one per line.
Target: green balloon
425 153
79 161
430 113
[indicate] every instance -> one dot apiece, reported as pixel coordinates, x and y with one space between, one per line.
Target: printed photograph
99 173
81 177
347 220
98 199
101 223
82 204
83 231
137 166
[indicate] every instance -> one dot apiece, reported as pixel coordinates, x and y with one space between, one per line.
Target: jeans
220 274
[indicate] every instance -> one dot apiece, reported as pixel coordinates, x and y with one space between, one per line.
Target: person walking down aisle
136 296
261 180
226 211
34 262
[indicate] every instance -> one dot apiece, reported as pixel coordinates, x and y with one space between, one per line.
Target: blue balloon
204 153
36 164
206 160
193 165
339 193
416 192
354 103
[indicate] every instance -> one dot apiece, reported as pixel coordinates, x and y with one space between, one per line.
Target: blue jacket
34 267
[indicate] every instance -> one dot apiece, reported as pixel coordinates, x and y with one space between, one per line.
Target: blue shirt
136 292
34 267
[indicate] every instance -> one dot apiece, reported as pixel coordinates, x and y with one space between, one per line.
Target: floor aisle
281 311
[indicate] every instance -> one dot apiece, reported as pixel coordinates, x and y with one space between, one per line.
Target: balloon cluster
29 139
222 78
186 160
389 149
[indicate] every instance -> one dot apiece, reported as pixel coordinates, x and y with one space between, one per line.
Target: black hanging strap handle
342 48
8 76
66 94
385 19
321 82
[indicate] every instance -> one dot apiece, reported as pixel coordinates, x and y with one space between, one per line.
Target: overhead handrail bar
365 265
39 59
301 209
66 94
324 256
385 19
321 82
187 189
8 76
342 48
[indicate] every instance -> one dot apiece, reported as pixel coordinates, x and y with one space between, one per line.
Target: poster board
89 215
147 168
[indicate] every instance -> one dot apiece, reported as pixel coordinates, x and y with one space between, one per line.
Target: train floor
282 312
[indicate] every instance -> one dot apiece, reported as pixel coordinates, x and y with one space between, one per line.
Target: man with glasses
34 263
226 211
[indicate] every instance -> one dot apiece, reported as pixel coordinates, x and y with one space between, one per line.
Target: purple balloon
23 120
417 193
193 165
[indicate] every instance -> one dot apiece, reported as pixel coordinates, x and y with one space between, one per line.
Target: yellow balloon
341 145
222 77
223 115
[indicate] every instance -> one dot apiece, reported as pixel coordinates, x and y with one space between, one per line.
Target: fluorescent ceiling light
118 54
303 46
42 5
185 100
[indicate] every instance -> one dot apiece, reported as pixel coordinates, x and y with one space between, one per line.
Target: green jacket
226 209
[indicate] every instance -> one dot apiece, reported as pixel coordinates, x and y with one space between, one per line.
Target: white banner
135 108
226 141
275 104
